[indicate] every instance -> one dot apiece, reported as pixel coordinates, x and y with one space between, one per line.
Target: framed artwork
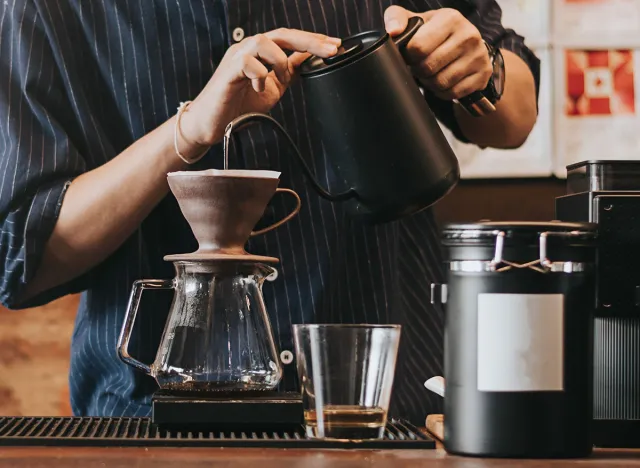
596 105
533 159
589 101
596 23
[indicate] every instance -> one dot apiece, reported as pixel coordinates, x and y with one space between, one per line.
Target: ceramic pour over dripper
223 206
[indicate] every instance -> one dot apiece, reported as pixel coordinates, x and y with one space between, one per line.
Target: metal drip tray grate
140 432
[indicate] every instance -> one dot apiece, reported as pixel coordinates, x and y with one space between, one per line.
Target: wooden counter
89 457
279 458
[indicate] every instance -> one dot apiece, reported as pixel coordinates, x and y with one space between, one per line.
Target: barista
88 100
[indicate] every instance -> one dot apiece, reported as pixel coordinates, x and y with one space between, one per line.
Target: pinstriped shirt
80 80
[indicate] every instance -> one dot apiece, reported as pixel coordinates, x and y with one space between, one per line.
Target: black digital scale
228 411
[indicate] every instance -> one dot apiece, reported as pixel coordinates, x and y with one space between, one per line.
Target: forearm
103 207
516 112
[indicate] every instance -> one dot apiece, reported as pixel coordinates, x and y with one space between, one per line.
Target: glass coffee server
217 362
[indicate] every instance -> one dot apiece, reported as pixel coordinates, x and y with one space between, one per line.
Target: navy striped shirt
80 80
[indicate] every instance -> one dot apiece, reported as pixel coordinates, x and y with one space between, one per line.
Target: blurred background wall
588 110
34 359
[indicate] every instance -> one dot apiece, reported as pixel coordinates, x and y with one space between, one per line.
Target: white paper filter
231 173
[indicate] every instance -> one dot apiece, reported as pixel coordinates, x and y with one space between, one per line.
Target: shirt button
286 357
238 34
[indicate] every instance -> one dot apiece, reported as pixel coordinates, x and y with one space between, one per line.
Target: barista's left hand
447 54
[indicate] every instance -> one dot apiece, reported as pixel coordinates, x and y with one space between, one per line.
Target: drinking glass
346 374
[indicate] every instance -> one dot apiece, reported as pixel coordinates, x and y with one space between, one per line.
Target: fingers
303 41
296 59
449 56
260 48
433 34
467 86
252 54
269 52
303 44
460 78
254 70
396 19
458 47
437 60
447 53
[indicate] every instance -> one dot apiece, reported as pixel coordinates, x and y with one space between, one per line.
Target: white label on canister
520 342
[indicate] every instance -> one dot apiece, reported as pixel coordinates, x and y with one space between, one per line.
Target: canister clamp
542 265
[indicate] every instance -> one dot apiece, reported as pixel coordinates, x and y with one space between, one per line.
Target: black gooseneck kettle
379 133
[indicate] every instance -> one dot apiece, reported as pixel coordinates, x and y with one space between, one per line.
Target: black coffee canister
520 300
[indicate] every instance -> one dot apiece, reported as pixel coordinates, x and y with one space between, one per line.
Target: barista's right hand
242 83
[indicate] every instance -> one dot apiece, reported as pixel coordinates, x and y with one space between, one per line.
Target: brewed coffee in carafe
218 336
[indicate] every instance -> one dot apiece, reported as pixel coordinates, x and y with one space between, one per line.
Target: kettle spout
244 120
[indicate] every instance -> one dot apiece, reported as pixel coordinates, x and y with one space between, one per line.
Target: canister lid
596 176
518 232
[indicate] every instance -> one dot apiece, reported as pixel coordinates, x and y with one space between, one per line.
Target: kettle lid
351 49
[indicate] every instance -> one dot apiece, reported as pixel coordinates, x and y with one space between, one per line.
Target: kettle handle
130 317
251 117
402 39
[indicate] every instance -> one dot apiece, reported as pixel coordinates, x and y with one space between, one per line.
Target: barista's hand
447 54
242 83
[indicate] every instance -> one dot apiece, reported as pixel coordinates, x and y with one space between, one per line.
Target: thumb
395 19
295 60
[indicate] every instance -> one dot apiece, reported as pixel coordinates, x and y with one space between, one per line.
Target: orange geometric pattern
599 82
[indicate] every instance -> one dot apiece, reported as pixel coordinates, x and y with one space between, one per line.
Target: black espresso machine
608 193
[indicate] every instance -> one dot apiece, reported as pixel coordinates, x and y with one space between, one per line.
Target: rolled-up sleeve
38 159
486 15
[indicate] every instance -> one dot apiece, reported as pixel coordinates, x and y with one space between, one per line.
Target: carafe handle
295 211
251 117
130 317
